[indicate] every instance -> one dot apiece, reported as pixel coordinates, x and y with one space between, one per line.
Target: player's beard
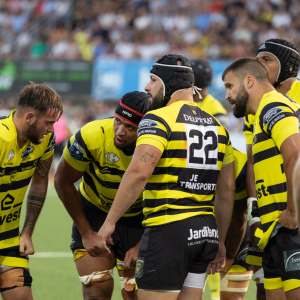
33 133
157 100
241 101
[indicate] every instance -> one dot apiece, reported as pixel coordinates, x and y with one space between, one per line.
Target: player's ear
249 81
30 117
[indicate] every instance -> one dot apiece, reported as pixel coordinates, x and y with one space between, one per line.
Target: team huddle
164 196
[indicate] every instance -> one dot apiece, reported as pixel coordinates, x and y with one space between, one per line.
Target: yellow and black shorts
16 276
281 261
254 255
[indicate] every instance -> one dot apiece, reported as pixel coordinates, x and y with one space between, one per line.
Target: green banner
67 78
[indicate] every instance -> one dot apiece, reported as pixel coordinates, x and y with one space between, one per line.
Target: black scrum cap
132 107
286 54
174 77
202 72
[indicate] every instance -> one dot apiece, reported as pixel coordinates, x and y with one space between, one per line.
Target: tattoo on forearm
32 212
43 167
149 156
35 201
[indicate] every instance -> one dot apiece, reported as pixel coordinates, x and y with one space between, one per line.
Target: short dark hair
41 97
248 66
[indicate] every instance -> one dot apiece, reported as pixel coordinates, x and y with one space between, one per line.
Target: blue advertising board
114 78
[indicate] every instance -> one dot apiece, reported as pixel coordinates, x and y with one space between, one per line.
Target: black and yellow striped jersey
240 174
92 150
16 169
293 93
194 146
275 120
215 108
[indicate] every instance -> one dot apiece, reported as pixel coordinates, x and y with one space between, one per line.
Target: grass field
55 278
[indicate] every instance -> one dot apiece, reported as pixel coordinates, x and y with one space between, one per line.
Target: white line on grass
51 254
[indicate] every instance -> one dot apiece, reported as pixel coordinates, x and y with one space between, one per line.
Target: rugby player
183 156
282 60
203 78
99 153
26 142
275 150
237 273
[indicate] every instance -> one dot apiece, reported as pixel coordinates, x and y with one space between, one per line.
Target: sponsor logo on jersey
25 154
125 112
242 255
10 155
111 157
263 46
291 260
76 151
203 233
147 123
271 114
198 120
198 185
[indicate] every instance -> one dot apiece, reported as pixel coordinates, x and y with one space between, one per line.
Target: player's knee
232 296
99 291
98 285
13 278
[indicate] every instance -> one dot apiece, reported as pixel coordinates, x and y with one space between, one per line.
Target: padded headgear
202 72
174 77
286 54
132 107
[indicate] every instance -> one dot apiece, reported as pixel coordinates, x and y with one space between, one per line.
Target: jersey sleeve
153 131
279 121
76 153
228 157
248 123
50 147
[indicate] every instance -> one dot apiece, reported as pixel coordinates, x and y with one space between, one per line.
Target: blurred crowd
133 29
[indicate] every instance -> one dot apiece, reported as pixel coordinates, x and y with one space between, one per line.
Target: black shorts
169 252
281 261
241 256
18 271
128 232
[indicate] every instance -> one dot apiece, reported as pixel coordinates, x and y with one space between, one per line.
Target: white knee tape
128 283
259 276
194 280
225 279
242 277
96 277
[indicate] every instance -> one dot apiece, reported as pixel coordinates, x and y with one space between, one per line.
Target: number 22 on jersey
202 147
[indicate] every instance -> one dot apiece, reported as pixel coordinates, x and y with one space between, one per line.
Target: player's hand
288 219
228 264
26 245
219 262
104 237
131 256
89 241
253 228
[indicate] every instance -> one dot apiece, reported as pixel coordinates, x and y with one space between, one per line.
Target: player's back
194 147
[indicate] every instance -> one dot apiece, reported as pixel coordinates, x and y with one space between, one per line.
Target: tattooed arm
35 201
144 160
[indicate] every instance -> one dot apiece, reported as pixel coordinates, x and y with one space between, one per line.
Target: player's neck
286 86
21 136
185 95
255 98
